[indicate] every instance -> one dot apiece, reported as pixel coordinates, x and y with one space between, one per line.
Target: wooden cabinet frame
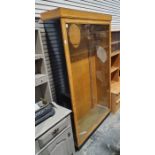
65 21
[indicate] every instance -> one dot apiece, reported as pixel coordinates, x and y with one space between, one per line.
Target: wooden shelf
113 69
90 121
38 56
115 87
115 31
40 79
115 53
115 42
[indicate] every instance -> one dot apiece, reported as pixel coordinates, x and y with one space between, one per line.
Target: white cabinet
62 145
54 136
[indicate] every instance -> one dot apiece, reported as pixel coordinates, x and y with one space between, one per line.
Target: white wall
111 7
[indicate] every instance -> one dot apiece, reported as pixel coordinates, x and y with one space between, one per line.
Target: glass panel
89 54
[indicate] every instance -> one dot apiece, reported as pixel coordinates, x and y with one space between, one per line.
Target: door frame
65 21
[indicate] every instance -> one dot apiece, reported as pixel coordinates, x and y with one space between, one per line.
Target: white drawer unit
54 136
60 145
57 129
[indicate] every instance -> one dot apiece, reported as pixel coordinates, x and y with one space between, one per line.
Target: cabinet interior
90 74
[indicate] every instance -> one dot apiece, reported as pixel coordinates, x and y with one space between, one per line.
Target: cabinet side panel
57 60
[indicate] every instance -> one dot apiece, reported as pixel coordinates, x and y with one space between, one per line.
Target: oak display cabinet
80 58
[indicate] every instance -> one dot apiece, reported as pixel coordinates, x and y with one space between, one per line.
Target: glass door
90 67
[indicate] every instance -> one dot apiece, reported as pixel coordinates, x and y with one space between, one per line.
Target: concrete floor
106 139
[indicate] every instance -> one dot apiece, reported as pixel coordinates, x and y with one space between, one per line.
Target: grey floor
106 139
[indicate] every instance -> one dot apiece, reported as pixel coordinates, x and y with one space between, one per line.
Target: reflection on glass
89 53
